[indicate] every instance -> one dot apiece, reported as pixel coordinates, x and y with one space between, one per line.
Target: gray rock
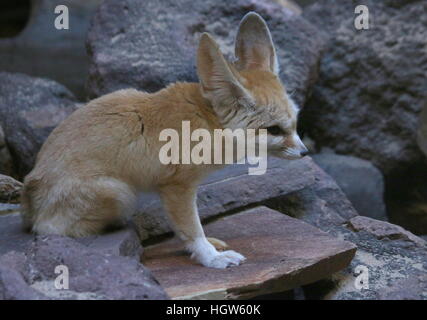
92 272
14 275
6 208
14 287
390 260
361 181
6 164
12 237
149 44
372 83
10 189
102 267
2 138
406 289
123 242
30 108
43 51
422 131
385 230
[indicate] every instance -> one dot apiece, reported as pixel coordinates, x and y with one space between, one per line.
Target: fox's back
92 134
118 134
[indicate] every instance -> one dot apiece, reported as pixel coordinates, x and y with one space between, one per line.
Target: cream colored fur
92 166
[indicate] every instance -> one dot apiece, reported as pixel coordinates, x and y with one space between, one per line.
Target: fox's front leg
180 203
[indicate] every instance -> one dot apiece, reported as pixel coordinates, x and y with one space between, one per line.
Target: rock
30 109
146 46
12 237
389 261
422 130
229 189
123 242
34 50
407 289
362 182
6 208
10 189
6 164
2 138
102 267
14 272
372 83
384 230
93 273
282 253
14 287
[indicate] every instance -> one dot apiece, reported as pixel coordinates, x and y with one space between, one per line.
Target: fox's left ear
254 46
220 82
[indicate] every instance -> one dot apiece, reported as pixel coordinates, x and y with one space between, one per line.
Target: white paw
225 259
206 254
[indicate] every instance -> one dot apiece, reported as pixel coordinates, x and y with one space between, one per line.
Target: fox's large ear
220 83
254 46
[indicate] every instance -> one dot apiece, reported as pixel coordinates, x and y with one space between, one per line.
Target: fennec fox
92 166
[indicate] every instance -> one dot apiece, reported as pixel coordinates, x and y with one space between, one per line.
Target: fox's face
248 93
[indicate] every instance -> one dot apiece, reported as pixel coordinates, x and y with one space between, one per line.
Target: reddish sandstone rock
282 253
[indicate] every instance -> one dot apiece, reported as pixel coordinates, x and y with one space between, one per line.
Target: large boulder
422 131
372 83
149 44
30 108
41 50
361 181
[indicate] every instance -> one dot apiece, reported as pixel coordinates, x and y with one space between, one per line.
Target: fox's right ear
254 46
219 83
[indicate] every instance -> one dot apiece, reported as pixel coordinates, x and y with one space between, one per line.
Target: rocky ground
307 227
301 236
371 89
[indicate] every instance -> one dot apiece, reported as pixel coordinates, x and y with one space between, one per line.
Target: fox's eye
274 130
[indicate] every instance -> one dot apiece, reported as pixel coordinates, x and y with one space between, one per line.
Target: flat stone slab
282 253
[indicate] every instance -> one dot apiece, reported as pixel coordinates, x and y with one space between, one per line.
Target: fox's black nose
304 153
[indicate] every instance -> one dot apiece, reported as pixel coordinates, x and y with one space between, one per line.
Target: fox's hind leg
84 209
